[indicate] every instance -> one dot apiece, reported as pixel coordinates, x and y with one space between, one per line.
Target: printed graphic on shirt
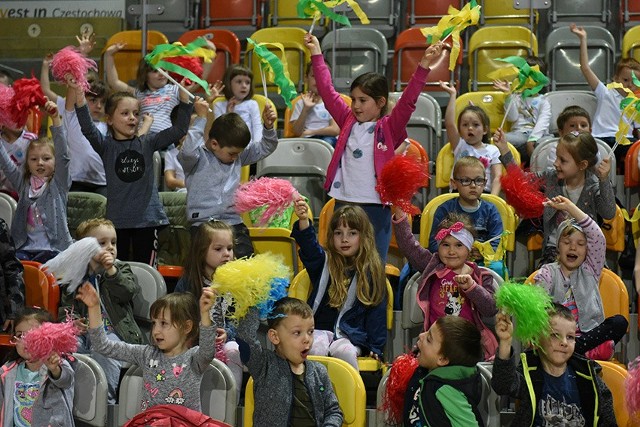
175 397
454 304
130 166
25 395
556 413
414 415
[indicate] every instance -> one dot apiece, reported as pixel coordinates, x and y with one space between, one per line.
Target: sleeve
506 158
311 253
189 154
544 279
247 332
333 102
297 109
89 130
483 296
456 406
256 121
506 380
123 286
219 108
406 105
511 111
67 376
541 127
376 327
10 169
441 212
606 413
605 200
417 256
206 348
12 270
258 150
172 135
332 413
596 245
61 173
170 159
119 350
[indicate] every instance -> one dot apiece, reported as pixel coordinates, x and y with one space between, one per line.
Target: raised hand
451 90
431 54
578 31
464 281
313 44
201 107
86 42
502 85
268 117
114 48
603 168
88 295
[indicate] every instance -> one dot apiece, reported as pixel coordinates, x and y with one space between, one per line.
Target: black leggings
138 244
613 328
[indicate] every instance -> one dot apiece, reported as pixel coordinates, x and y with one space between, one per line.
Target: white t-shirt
171 163
318 117
607 117
17 151
486 151
248 110
355 178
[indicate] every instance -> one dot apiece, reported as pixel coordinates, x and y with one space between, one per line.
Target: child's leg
243 247
343 349
612 329
234 363
145 246
125 237
321 342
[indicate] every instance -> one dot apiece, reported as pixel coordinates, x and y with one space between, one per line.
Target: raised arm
417 256
45 83
587 72
450 116
114 82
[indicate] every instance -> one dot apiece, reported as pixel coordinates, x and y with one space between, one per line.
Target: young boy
212 168
554 386
310 118
572 119
607 117
117 287
288 389
468 180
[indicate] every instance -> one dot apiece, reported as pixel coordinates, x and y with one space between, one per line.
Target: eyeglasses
16 338
465 182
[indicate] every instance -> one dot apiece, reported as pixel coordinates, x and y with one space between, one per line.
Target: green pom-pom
529 305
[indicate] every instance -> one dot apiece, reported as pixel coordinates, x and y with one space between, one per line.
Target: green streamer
270 63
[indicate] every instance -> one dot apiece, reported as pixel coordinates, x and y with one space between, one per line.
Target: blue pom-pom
279 289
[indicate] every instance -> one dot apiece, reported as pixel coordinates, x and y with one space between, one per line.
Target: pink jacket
390 130
173 416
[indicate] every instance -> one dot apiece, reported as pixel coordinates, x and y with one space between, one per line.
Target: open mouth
572 257
305 353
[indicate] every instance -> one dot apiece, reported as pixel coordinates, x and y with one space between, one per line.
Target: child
607 117
173 172
35 392
39 227
211 247
133 204
349 295
573 280
450 284
368 136
573 119
470 137
445 388
577 177
310 117
213 168
238 92
117 286
288 389
529 117
171 371
468 180
11 283
553 385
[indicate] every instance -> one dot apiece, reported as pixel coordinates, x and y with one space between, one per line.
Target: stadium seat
284 13
384 16
563 56
630 13
357 50
127 59
8 206
90 392
631 43
631 172
40 288
594 12
425 123
492 102
175 17
486 44
614 377
174 241
288 129
559 100
427 13
277 241
243 17
152 287
82 206
503 12
227 49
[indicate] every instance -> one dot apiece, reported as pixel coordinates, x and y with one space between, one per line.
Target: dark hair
453 217
482 115
85 227
28 313
571 112
97 88
194 266
561 311
309 68
230 74
144 68
375 85
581 146
288 306
533 60
182 307
229 130
461 341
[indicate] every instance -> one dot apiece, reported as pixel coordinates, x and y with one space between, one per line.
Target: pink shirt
445 298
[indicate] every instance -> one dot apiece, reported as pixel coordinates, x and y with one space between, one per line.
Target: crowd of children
104 141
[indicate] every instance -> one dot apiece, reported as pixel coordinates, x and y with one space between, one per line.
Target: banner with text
62 9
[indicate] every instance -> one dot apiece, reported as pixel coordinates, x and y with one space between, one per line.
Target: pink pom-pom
632 388
60 338
6 98
523 192
191 63
399 180
276 194
69 60
28 93
402 370
220 354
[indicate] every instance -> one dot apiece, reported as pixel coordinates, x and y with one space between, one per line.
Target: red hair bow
458 226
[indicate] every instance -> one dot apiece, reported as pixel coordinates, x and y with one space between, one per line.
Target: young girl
573 280
450 284
445 388
238 92
133 204
171 371
469 136
39 228
212 246
35 392
368 137
577 176
349 296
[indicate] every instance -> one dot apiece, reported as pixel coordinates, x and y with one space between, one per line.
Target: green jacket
116 295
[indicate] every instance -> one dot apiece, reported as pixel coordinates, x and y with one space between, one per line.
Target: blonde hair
43 141
468 162
371 284
87 226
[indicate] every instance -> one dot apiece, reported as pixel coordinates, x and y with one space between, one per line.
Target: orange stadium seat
420 12
227 49
127 59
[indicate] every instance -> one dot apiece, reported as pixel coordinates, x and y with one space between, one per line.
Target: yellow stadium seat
631 43
614 377
284 13
277 241
127 59
502 12
492 102
614 231
347 384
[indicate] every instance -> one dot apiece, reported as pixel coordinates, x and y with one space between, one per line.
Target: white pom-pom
70 266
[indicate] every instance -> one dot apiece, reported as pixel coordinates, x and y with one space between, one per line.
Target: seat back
243 17
285 13
174 241
288 128
423 13
614 231
357 50
82 206
90 392
227 49
425 123
491 102
40 288
490 401
630 13
563 53
277 241
614 294
127 59
444 166
152 287
503 12
559 100
8 206
412 316
176 18
593 12
486 44
631 43
347 384
614 376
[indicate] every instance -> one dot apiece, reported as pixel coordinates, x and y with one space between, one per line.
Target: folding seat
423 13
90 392
614 376
492 102
174 241
171 17
82 206
152 287
596 12
631 43
559 100
285 13
384 16
227 49
243 17
41 288
487 43
425 124
352 52
8 206
629 13
503 12
127 59
563 56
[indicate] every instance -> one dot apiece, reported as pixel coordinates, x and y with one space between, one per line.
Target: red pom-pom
402 370
191 63
60 338
28 94
6 97
69 60
399 180
523 192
